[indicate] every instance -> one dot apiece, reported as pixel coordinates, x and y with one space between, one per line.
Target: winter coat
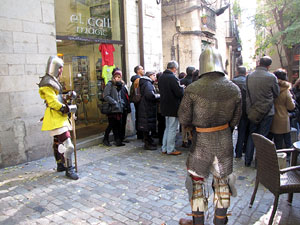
134 77
283 103
263 88
113 97
171 93
296 93
147 106
187 80
240 81
211 101
125 97
49 91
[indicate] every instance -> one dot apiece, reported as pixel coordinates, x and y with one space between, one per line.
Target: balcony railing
211 18
231 29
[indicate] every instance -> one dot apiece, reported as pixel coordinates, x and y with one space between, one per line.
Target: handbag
255 114
105 108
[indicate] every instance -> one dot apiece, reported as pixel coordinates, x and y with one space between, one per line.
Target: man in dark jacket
262 89
139 72
171 94
187 80
240 81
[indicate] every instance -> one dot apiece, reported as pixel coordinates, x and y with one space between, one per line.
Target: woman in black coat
112 95
147 109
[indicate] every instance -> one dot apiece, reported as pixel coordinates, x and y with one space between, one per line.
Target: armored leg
60 159
196 191
70 172
221 199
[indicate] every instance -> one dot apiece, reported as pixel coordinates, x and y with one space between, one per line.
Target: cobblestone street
123 185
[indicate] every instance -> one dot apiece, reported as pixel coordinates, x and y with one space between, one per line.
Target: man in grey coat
262 89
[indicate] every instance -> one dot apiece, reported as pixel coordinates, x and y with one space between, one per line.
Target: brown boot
183 221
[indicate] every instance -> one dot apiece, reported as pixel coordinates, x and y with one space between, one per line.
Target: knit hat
117 72
148 74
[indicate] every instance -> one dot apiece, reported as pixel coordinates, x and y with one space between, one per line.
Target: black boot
60 167
106 142
198 218
70 172
119 143
149 146
220 216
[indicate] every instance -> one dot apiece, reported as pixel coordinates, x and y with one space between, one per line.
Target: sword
74 140
71 96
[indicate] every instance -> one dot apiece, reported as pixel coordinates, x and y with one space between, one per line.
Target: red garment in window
107 54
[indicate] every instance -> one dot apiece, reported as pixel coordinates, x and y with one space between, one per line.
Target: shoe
60 167
247 164
70 172
184 145
149 147
175 152
183 221
119 144
125 141
106 142
164 153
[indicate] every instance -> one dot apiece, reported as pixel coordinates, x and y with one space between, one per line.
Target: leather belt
212 129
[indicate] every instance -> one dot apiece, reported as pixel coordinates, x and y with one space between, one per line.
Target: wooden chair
277 181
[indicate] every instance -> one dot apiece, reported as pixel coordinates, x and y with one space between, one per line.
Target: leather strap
212 129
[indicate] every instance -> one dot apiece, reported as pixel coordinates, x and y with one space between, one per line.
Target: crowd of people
204 104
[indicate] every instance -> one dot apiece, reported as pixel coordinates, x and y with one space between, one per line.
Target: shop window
81 27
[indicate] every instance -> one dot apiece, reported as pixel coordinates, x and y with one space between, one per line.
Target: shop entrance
81 27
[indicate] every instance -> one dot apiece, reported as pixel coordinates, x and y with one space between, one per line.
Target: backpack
135 92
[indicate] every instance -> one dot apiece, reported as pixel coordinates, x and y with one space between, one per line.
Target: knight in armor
56 119
211 106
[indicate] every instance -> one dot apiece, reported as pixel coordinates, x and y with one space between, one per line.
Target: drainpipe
178 55
141 33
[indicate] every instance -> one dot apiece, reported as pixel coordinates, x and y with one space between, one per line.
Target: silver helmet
53 64
210 61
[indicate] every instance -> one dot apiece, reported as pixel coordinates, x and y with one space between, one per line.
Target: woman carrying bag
112 95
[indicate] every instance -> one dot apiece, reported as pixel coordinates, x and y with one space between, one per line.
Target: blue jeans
170 134
262 128
242 136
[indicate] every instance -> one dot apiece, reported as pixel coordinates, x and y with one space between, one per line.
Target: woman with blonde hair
280 128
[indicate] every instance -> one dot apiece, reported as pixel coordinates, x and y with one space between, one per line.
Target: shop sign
91 26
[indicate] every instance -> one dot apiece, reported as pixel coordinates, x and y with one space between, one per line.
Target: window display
89 38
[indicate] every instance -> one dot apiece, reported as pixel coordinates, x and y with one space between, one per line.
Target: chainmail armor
211 101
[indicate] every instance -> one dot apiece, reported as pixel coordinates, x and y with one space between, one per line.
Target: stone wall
152 36
189 19
27 34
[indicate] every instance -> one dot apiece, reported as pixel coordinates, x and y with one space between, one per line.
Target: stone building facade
188 26
29 35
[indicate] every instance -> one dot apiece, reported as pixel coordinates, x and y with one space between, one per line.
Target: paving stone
124 186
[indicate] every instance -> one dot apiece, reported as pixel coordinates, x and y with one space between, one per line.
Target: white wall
27 38
152 36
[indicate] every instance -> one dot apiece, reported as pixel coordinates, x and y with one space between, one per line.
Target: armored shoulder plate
50 81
